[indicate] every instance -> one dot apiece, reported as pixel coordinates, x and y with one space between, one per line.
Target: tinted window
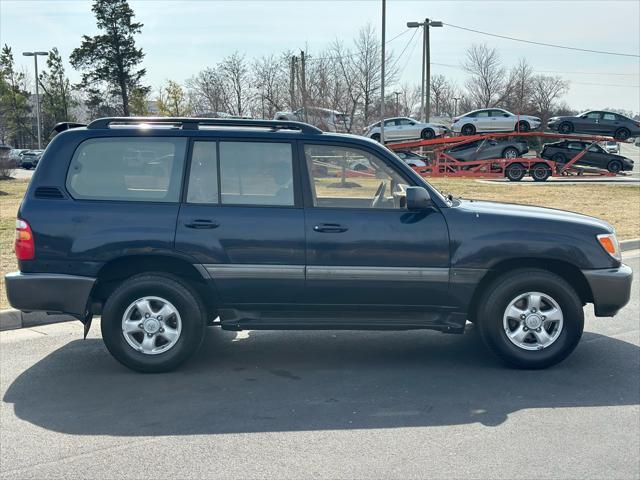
498 113
132 169
576 146
343 177
405 121
203 176
256 173
390 123
609 116
483 114
593 115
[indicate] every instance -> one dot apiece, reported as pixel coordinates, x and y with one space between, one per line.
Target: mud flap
86 320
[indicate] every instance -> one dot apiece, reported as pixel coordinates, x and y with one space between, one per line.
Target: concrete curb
12 319
633 244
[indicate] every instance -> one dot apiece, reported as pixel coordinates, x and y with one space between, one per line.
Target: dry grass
615 203
11 193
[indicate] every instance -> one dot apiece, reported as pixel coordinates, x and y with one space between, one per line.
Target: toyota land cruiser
164 226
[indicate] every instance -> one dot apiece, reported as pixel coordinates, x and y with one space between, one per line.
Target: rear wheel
427 133
376 137
614 166
540 172
559 158
515 172
531 318
622 134
153 322
523 126
510 152
468 129
565 127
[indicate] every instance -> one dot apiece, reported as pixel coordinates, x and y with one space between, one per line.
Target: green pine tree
110 60
57 100
15 112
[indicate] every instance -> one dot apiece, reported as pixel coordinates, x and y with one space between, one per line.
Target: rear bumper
611 288
49 292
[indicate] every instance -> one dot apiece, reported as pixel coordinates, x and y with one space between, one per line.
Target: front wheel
614 166
427 134
468 129
531 318
153 322
510 152
565 128
622 134
523 126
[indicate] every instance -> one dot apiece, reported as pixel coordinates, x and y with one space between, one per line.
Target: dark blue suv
165 226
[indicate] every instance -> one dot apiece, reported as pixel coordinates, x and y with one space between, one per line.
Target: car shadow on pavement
265 381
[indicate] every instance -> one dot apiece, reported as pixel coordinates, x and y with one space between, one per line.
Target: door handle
201 224
330 228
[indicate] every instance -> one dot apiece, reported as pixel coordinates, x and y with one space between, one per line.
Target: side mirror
418 199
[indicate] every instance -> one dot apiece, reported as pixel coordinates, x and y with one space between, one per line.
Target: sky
181 38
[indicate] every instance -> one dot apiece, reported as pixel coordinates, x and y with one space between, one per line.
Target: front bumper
49 292
611 289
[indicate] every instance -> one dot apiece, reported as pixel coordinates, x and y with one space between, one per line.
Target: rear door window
127 169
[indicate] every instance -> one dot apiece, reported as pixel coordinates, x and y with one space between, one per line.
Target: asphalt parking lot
322 404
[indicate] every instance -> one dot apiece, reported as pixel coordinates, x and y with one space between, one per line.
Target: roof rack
62 126
195 123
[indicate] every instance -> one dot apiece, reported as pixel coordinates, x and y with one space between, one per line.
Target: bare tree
207 92
546 91
442 95
519 88
236 75
486 84
271 81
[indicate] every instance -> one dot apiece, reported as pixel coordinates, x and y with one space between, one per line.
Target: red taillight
25 246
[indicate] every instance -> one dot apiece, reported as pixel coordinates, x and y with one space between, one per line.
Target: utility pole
384 23
292 81
425 93
303 84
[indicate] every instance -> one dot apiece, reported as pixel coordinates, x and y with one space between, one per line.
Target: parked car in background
15 153
29 159
493 120
488 149
412 159
404 128
597 122
611 147
323 118
596 156
239 231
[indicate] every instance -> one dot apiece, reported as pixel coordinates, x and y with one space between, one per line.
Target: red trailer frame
540 169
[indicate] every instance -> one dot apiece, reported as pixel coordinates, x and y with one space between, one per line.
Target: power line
543 44
395 64
338 57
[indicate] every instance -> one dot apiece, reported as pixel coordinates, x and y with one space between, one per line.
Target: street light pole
425 100
397 94
35 63
384 20
455 105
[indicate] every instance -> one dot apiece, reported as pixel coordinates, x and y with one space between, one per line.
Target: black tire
427 134
510 152
515 172
559 158
614 166
565 128
523 126
622 134
500 293
468 129
376 137
540 172
187 302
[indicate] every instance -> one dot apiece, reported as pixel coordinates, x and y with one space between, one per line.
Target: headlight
609 242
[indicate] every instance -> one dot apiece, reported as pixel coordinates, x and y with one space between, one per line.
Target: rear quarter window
127 169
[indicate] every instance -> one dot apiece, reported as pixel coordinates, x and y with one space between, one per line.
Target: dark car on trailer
488 149
165 226
595 156
597 122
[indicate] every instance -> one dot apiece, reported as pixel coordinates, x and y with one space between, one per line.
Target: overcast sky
181 37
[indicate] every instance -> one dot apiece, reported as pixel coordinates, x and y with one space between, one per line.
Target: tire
175 293
530 352
468 129
565 128
427 134
376 137
559 158
614 166
510 152
622 134
540 172
515 172
523 126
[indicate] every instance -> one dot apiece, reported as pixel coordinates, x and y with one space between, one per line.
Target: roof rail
195 123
